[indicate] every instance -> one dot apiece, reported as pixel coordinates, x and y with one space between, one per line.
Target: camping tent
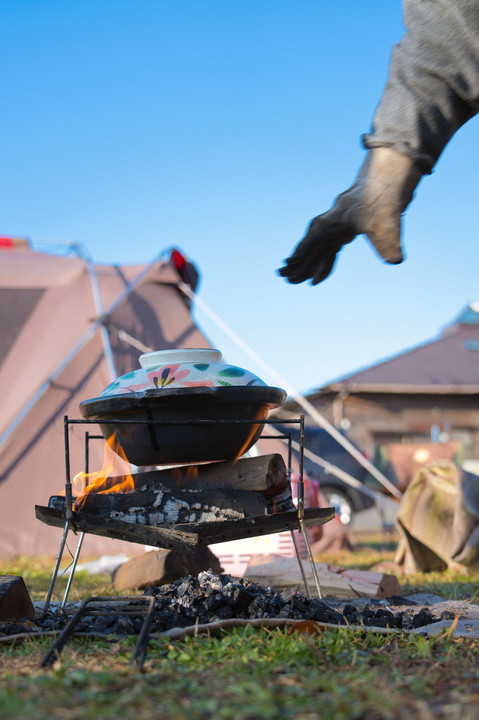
66 327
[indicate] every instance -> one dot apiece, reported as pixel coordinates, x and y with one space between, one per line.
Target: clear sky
222 127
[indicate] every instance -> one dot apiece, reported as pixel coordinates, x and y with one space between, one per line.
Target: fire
184 474
254 428
111 477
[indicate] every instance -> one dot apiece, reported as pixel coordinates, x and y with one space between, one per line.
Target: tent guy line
292 392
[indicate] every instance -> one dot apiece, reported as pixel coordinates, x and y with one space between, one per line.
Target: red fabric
8 243
178 259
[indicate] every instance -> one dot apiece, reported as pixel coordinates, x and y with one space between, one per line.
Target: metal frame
69 521
126 605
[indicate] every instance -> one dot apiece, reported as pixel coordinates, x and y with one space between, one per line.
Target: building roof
449 364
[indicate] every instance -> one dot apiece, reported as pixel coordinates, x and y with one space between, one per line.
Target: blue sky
222 127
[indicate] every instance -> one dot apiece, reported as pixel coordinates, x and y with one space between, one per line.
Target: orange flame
254 428
107 480
184 474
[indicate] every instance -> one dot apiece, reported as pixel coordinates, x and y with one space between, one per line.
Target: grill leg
310 557
55 569
74 565
301 566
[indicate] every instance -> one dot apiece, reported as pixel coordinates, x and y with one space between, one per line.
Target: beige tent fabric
438 520
59 311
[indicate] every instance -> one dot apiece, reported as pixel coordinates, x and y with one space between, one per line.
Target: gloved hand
373 205
315 255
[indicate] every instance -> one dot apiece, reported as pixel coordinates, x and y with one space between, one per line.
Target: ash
210 597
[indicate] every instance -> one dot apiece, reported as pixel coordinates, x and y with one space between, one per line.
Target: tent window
16 306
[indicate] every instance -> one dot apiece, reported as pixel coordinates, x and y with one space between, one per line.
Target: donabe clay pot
184 425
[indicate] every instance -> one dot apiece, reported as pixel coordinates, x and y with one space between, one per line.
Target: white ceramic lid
165 357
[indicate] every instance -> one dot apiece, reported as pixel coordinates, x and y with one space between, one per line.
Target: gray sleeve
433 83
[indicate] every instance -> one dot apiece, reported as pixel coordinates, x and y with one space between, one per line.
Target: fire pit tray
186 536
184 425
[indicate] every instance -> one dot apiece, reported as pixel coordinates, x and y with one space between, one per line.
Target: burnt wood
164 506
189 535
217 491
164 537
264 474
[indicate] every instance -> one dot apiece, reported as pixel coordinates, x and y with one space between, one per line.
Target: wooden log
264 474
282 572
165 537
159 567
164 506
386 584
15 601
218 491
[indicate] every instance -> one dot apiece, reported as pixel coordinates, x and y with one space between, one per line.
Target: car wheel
340 501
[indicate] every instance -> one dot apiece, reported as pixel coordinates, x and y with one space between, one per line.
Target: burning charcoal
396 621
213 602
17 628
274 606
367 614
258 608
237 595
186 610
223 613
349 611
208 578
423 617
382 613
352 617
98 624
285 611
166 619
383 618
52 623
152 590
284 596
183 587
126 626
299 603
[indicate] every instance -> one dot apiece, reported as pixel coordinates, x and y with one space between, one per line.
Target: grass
247 674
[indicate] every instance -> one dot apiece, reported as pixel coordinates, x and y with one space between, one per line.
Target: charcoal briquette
423 617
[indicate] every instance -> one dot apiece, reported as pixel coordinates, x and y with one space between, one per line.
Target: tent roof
447 364
52 356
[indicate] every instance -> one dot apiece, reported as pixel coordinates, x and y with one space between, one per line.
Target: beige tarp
438 520
47 308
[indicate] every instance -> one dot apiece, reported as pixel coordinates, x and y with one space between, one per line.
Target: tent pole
313 413
95 287
88 335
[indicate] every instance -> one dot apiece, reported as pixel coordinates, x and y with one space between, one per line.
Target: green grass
245 674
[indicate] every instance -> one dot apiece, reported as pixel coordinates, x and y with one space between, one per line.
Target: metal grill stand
106 606
183 536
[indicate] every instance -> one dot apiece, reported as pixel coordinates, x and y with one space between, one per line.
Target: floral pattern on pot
182 375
